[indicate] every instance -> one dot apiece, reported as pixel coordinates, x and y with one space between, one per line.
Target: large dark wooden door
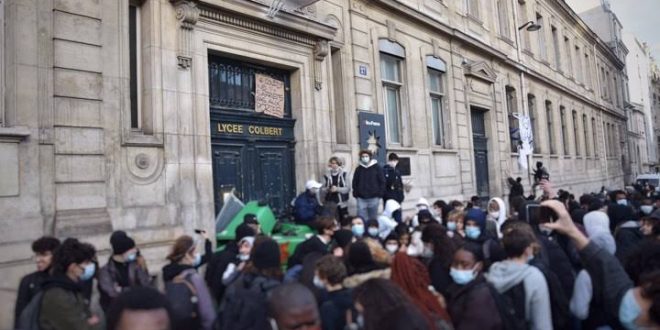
252 153
480 142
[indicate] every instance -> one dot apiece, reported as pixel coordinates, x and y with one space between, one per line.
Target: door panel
228 169
480 143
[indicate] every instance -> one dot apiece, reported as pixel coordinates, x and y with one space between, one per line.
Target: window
608 85
514 126
585 129
338 96
533 118
391 60
587 70
542 49
522 10
594 136
550 122
603 83
564 133
578 63
473 8
503 16
436 68
133 62
576 135
555 44
569 57
616 90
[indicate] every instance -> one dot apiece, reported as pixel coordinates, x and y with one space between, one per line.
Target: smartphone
199 231
538 214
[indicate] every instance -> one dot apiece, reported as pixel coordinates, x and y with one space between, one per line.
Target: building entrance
253 153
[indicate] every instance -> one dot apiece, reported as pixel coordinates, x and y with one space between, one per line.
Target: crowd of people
552 262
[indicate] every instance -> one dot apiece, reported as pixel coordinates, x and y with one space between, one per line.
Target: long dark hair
443 246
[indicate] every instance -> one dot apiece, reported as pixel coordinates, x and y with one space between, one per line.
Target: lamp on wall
531 26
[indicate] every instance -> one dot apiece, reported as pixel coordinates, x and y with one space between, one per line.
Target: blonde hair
379 254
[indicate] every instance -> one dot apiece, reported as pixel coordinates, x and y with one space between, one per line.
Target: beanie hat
250 219
478 216
120 242
266 255
343 237
244 230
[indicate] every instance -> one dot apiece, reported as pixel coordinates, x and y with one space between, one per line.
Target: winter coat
439 273
29 287
393 183
306 207
627 237
312 244
505 275
341 181
386 222
493 225
64 306
333 307
462 304
355 280
216 267
108 283
204 303
369 181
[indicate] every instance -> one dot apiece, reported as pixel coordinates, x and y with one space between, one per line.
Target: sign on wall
526 138
372 134
269 95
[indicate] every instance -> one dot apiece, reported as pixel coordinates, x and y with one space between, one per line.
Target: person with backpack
525 284
192 307
123 271
30 285
469 288
244 305
61 303
393 180
139 308
335 303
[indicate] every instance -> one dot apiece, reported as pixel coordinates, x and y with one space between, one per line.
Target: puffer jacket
64 306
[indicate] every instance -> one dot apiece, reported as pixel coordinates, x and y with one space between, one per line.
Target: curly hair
332 269
45 244
70 252
443 246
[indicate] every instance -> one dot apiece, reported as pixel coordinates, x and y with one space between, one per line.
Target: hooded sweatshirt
386 222
423 204
597 227
496 223
369 181
505 275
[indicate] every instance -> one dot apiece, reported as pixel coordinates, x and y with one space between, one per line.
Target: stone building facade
140 114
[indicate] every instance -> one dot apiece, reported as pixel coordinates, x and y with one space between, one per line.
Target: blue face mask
198 260
646 209
358 230
629 311
373 231
623 202
451 226
131 257
318 283
462 277
88 272
472 232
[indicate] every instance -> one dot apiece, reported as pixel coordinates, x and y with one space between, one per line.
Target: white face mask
392 248
495 214
646 209
318 283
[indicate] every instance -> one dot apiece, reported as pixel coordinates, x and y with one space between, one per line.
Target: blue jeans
368 208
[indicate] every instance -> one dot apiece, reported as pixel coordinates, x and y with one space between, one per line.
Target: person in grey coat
504 275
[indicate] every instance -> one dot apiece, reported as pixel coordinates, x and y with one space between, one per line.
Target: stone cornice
14 134
253 15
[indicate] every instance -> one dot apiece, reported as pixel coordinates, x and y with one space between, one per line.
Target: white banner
526 139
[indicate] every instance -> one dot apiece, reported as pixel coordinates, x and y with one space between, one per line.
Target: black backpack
511 307
245 305
29 318
182 295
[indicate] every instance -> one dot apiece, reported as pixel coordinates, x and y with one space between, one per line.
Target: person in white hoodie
423 204
597 226
496 216
386 222
506 275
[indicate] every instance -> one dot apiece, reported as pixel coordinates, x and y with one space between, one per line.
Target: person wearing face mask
496 216
357 227
469 289
511 273
63 304
337 187
624 304
454 224
335 304
234 268
184 260
122 271
393 180
30 285
475 231
373 230
438 250
392 243
619 197
646 208
368 185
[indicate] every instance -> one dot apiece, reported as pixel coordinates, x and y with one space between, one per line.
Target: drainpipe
523 86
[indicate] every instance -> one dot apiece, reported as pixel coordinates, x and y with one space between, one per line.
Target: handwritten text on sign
269 95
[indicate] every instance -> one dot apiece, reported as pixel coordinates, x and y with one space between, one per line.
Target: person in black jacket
393 180
306 207
336 301
368 186
320 243
220 260
43 249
